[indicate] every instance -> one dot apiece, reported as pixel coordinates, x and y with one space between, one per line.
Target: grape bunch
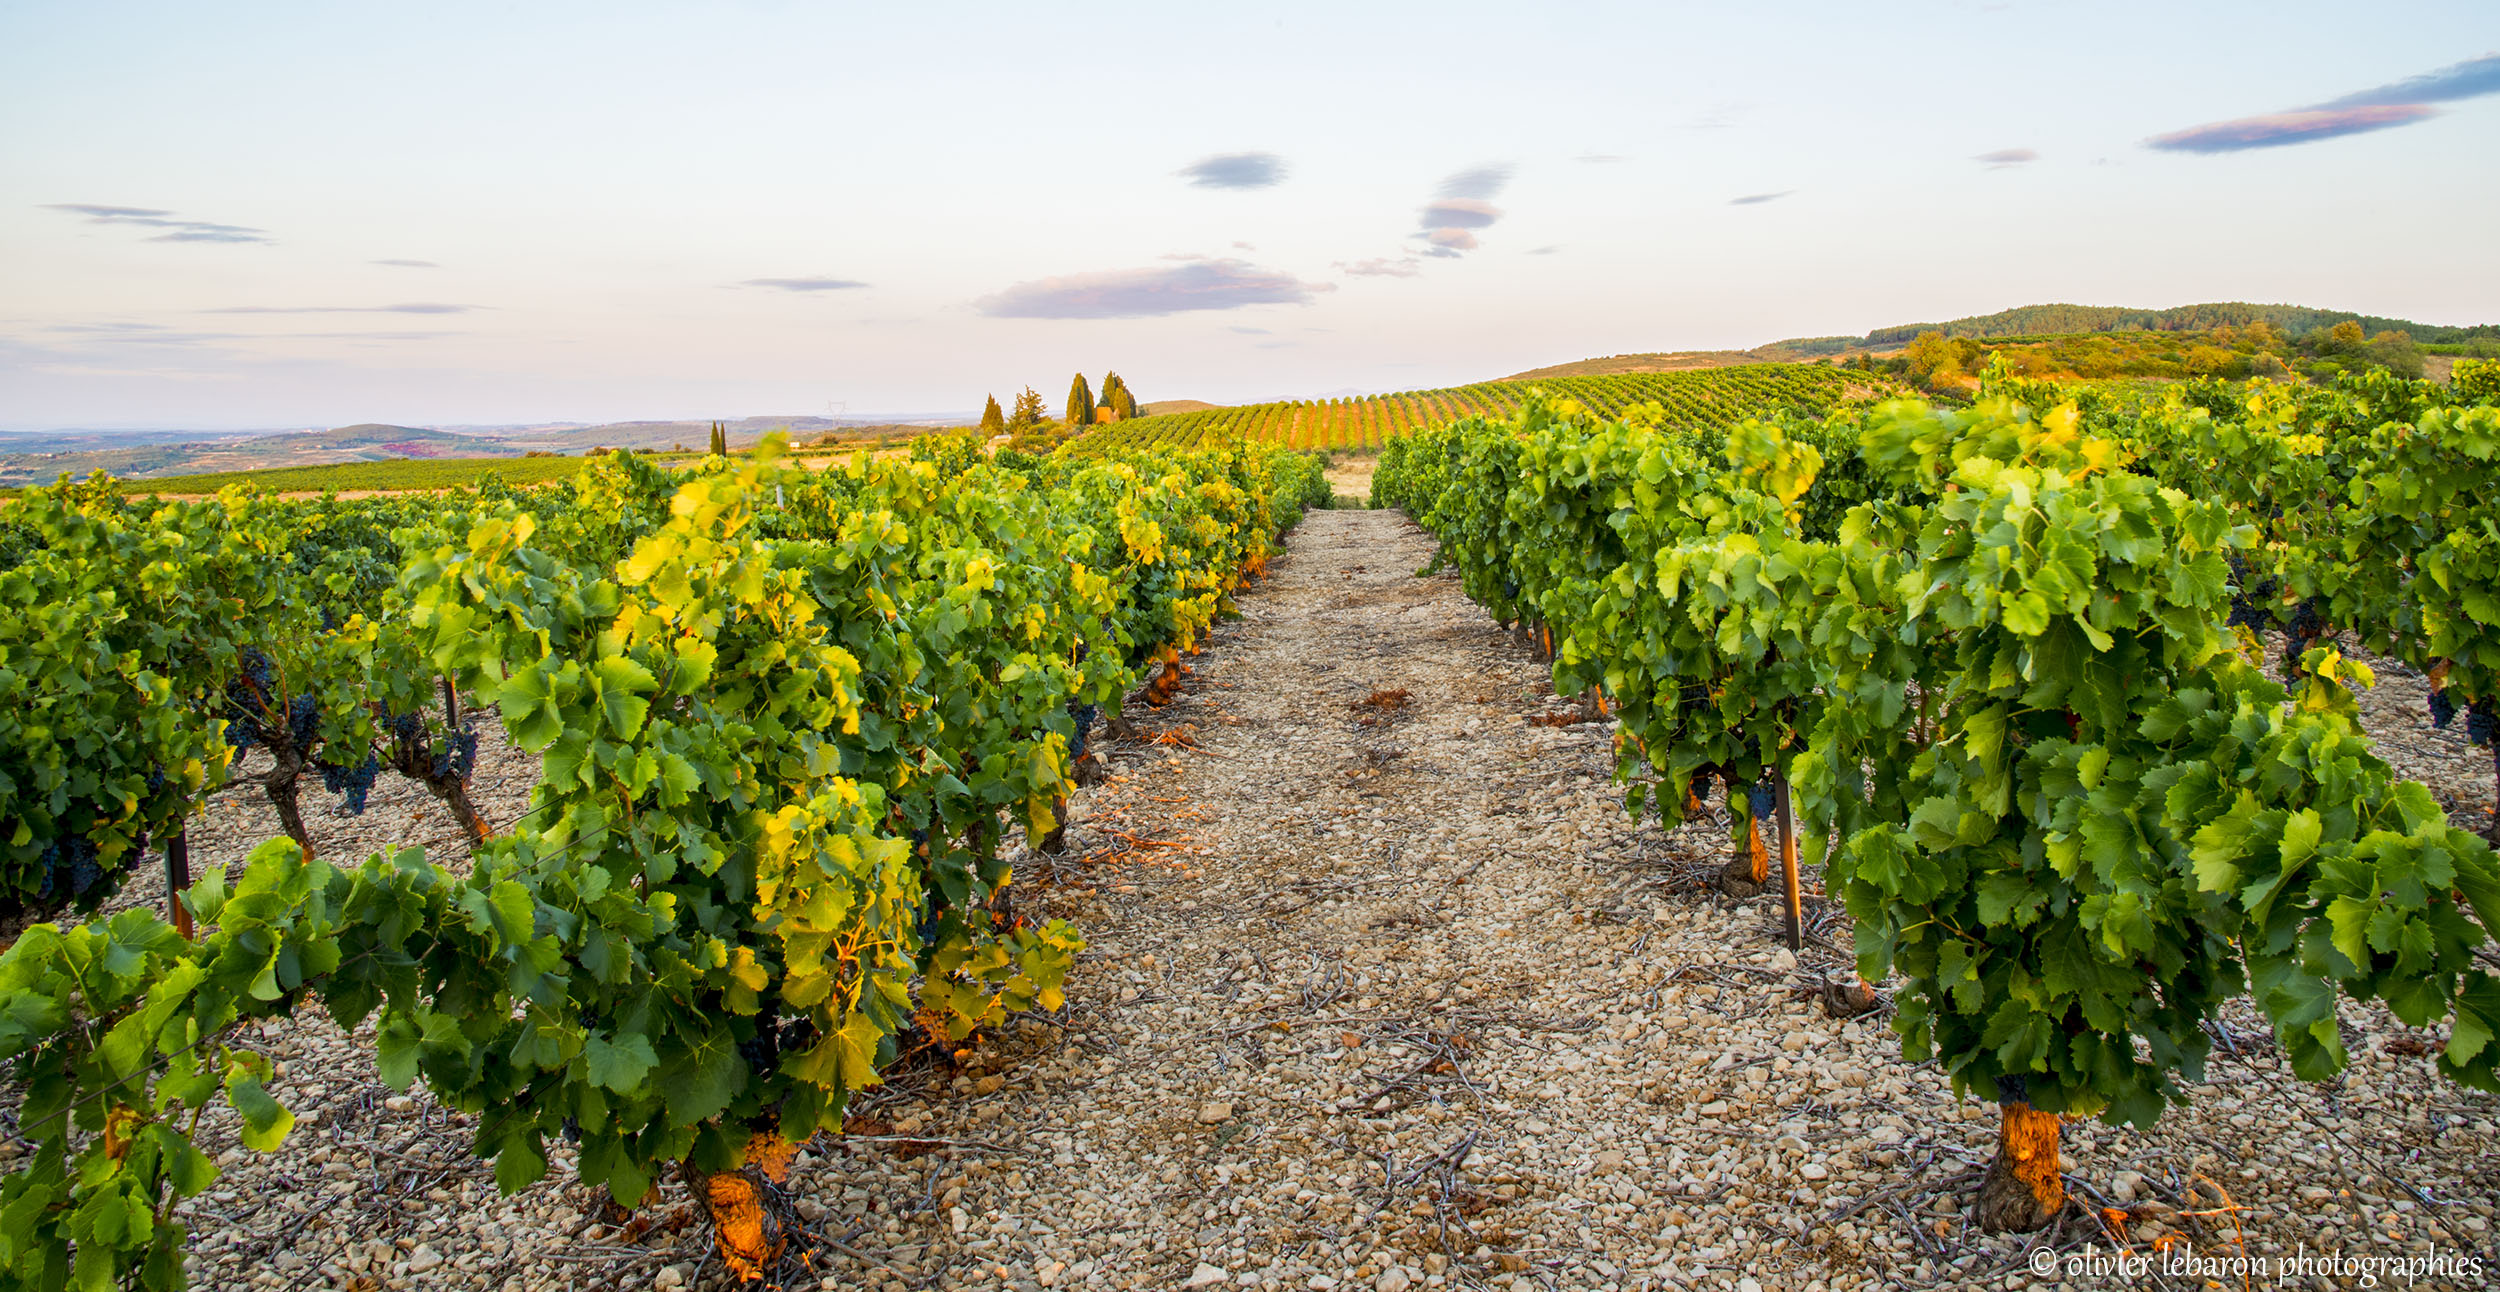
70 868
303 721
1758 800
247 697
2306 627
1083 716
2479 723
458 757
2249 596
353 782
451 758
2443 710
762 1051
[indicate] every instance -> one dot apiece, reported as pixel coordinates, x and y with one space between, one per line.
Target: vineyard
2004 664
788 721
1787 841
1689 400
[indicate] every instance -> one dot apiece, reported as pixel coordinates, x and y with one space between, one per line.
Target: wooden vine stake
1788 865
178 878
2025 1187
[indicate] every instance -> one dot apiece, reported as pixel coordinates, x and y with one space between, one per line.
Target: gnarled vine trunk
280 785
1749 874
2025 1187
748 1229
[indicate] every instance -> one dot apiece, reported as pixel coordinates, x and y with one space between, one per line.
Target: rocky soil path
1393 995
1384 992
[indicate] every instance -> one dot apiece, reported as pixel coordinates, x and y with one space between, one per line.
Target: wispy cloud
156 334
410 307
375 336
1757 199
2004 157
407 264
804 284
1380 267
2277 129
176 229
1478 181
142 334
1151 292
1449 221
2379 108
2470 79
1461 213
1545 251
1236 170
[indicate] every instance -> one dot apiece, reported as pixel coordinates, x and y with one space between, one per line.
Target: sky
267 215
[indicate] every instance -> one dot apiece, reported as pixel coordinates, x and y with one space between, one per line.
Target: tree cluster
1031 428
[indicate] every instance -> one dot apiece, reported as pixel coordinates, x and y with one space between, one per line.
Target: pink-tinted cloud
2378 108
1380 267
1149 292
2276 129
1461 213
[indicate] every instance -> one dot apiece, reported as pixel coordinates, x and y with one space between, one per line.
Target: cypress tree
1028 411
1116 396
1080 404
720 439
993 422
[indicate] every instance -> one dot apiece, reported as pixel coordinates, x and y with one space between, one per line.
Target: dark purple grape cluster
353 782
70 868
455 758
762 1051
1758 800
303 721
2306 628
2479 723
247 697
2248 597
2443 710
1083 716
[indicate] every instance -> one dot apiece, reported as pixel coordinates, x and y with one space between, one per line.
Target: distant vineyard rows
1693 400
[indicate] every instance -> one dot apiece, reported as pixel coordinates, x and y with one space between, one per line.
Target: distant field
1710 396
346 477
429 473
1620 364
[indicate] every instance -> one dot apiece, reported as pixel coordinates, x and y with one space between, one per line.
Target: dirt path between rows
1379 997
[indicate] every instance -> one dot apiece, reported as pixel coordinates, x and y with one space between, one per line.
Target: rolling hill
42 457
1709 396
2069 320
